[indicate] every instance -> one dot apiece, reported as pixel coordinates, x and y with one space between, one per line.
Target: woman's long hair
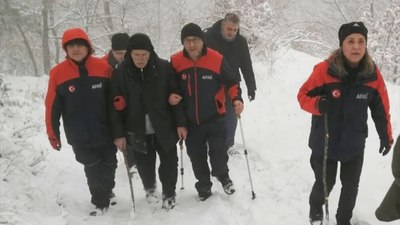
337 61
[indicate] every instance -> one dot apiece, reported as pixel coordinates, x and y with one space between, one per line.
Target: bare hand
238 106
182 133
120 143
174 99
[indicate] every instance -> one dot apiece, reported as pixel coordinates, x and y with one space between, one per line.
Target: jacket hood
128 61
76 33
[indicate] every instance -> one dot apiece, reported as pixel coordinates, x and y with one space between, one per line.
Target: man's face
77 52
140 57
193 45
118 55
229 30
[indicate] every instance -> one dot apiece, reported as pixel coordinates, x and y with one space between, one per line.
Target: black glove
251 94
385 147
323 105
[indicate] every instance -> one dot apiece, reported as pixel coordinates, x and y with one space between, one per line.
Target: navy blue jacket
202 84
349 99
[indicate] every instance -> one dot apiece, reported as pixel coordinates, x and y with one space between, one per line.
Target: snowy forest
31 29
40 186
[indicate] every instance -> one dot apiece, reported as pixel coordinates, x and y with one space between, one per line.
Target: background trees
31 29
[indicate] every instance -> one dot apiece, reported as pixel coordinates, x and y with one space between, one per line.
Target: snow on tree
384 40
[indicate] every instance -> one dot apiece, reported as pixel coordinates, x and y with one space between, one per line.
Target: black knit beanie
191 29
139 41
119 41
350 28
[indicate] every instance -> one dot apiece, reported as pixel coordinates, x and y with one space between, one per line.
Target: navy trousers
350 172
207 139
99 165
230 123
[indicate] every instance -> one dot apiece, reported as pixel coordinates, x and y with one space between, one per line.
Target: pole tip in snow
254 195
133 213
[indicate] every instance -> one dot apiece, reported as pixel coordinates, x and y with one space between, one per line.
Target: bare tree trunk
54 32
107 11
45 37
26 41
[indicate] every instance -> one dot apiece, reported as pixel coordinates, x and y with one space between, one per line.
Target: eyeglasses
195 40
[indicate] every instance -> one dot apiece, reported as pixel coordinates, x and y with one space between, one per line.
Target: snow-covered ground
40 186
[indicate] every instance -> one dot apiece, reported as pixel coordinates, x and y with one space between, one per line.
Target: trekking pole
324 164
247 160
130 180
182 169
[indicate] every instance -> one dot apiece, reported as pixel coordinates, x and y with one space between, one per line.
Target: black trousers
167 171
231 121
99 165
212 133
350 172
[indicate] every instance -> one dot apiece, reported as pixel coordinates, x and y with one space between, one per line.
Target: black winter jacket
235 52
136 93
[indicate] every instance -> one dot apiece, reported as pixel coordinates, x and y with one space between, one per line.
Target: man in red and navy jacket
78 92
202 74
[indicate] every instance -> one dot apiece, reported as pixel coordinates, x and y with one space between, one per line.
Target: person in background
118 49
202 74
143 121
78 91
341 89
389 210
225 38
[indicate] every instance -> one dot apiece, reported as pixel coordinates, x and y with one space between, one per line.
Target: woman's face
354 47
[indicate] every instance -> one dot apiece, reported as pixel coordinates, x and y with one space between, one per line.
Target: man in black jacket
224 37
143 121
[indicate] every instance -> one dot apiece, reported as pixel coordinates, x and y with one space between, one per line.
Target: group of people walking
135 101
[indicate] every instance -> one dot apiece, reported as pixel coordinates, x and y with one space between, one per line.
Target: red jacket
349 100
202 84
80 96
110 60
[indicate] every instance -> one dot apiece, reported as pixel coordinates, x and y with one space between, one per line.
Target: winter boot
113 199
98 211
233 150
168 202
132 171
227 184
151 195
316 215
204 194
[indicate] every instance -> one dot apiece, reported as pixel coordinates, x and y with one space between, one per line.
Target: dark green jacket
389 209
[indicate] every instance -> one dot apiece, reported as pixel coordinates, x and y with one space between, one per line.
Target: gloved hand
251 94
385 147
323 105
55 143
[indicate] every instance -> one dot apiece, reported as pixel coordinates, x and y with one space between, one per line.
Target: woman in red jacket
340 90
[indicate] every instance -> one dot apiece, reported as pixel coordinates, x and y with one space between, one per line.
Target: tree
14 17
384 40
45 36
